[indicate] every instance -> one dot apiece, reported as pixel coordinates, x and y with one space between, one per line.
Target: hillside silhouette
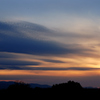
71 85
70 90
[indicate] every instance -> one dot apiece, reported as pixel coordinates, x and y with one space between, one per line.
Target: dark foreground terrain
64 91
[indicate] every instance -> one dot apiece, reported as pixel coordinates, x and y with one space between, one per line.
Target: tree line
69 90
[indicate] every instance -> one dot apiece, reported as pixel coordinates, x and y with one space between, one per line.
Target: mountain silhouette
5 85
70 90
33 85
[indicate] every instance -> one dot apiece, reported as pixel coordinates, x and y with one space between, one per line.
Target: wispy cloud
53 61
17 62
14 38
69 68
16 67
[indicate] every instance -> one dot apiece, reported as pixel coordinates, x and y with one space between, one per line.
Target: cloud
4 55
17 62
22 29
16 38
15 59
52 61
16 67
69 68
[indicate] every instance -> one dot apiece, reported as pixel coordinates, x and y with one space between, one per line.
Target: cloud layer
26 38
16 67
19 39
15 39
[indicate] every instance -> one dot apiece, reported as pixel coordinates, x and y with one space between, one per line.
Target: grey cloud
31 26
16 67
81 68
10 67
21 29
17 62
14 39
69 68
53 61
7 55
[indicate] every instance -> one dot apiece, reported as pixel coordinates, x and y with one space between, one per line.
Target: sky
50 41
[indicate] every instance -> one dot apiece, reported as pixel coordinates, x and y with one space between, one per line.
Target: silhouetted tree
69 85
18 86
70 90
19 89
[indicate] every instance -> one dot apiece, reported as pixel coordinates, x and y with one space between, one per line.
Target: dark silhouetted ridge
68 91
69 85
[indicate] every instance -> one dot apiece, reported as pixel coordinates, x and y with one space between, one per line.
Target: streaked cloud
17 62
18 38
16 67
53 61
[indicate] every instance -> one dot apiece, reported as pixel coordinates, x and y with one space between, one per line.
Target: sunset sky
50 41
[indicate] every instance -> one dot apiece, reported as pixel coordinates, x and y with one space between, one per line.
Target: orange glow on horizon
69 73
67 62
